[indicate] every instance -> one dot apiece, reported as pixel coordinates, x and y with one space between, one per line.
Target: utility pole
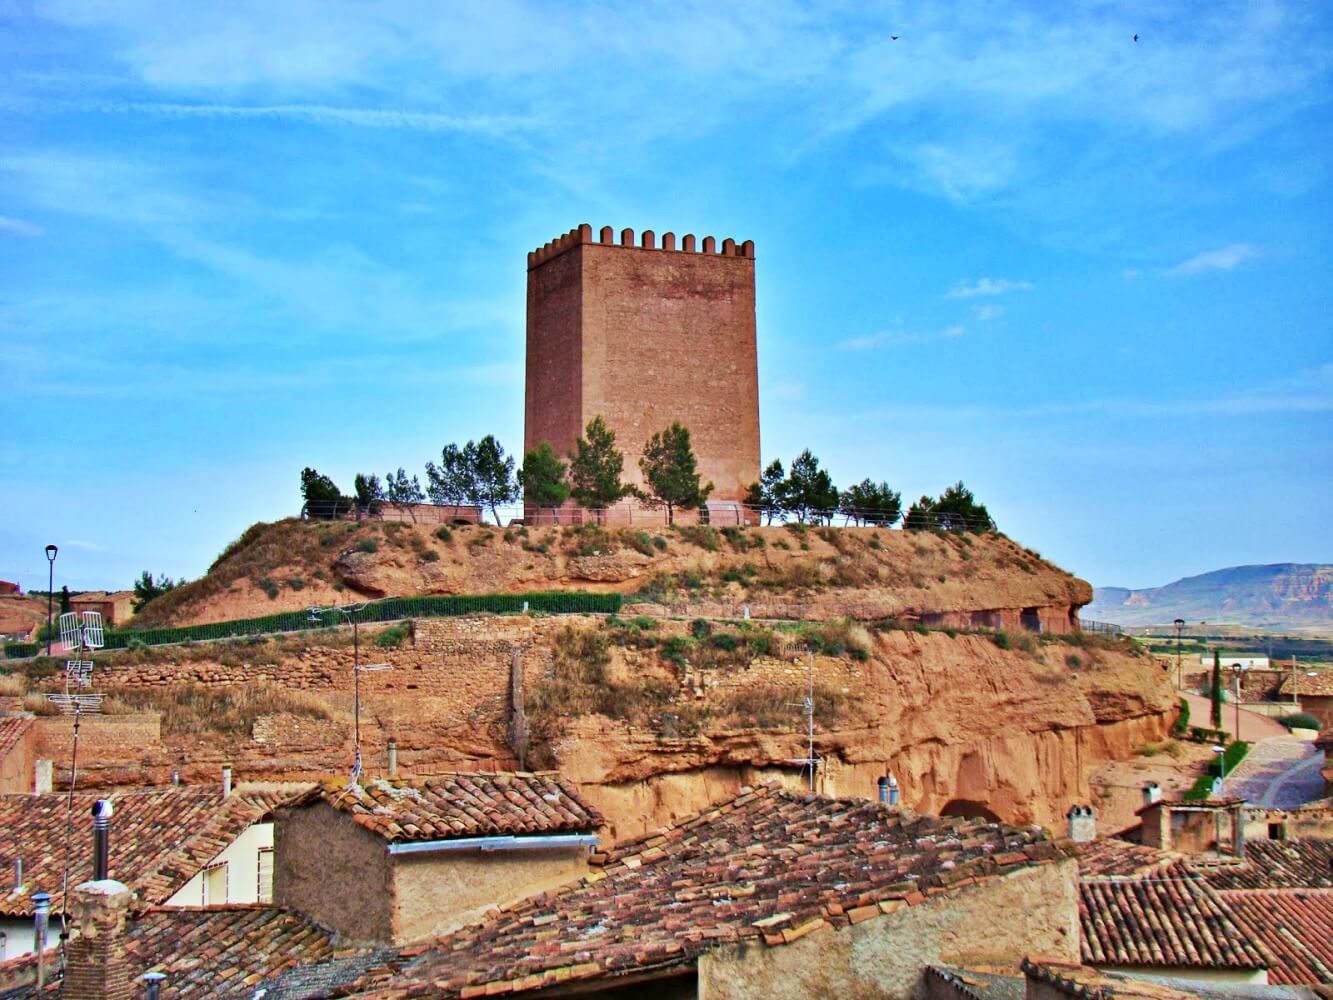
1180 677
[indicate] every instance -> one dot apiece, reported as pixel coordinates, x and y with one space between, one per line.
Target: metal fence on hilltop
635 514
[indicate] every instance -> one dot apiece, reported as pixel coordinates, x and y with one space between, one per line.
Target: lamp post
51 552
1221 752
1180 678
1239 670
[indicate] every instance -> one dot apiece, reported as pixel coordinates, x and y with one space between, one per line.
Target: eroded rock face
960 722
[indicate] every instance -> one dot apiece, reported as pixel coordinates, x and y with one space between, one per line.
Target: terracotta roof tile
1094 984
1109 857
12 728
446 806
767 866
1272 864
214 951
159 839
1296 928
1172 921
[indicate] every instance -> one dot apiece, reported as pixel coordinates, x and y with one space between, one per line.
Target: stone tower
642 335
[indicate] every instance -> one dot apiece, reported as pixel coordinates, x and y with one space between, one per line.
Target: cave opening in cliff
969 809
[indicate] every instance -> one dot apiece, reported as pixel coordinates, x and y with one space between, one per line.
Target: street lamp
1221 752
1240 668
350 612
51 551
1180 681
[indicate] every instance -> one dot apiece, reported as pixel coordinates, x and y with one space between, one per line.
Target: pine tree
542 478
1216 691
403 492
671 471
491 474
595 467
808 491
766 495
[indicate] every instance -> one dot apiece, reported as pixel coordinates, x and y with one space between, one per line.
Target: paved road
1253 727
1280 772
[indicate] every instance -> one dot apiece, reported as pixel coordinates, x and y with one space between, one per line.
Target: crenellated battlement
647 241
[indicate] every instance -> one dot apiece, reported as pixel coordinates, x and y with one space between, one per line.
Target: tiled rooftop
1109 857
460 805
768 866
1320 684
1171 921
1093 984
12 728
1272 864
1294 925
159 839
216 951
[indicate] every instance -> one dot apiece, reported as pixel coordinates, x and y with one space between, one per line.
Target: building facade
643 335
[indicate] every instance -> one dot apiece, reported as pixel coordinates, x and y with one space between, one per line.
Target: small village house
395 861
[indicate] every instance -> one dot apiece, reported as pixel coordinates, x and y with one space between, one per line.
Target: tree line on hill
480 474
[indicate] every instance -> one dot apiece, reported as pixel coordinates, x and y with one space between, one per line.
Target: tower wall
643 336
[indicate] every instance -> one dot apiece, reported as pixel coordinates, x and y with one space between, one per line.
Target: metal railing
716 513
1105 628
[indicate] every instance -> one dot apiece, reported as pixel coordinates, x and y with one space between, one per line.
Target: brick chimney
96 966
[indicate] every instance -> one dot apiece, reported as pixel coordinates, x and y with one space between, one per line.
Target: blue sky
1087 275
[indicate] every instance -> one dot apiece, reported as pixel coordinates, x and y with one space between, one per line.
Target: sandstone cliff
655 717
788 572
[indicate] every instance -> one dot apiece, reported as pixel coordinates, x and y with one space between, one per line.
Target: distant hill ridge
1281 594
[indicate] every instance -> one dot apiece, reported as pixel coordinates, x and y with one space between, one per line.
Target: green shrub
677 650
430 555
1203 786
297 583
699 628
444 534
641 542
701 535
1073 661
1001 639
692 580
659 543
392 638
725 641
1300 720
267 585
1182 723
643 623
368 545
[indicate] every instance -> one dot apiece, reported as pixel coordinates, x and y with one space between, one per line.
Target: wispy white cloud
988 286
1225 258
314 114
899 338
18 227
988 312
75 543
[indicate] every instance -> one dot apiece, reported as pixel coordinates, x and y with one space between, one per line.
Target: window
265 882
1277 831
215 884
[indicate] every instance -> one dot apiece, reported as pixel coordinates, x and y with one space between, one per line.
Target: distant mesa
1290 595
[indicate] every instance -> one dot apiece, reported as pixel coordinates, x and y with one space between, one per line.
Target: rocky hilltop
781 572
953 662
1282 595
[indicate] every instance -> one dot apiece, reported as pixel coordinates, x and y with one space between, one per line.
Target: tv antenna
807 706
316 616
81 635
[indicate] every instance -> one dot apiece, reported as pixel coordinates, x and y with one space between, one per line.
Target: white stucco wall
242 860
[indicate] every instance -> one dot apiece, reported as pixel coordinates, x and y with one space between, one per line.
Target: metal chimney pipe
175 777
153 983
226 780
41 909
884 790
18 875
893 790
393 757
102 810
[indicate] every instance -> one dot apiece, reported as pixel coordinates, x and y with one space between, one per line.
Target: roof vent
1082 824
1152 792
